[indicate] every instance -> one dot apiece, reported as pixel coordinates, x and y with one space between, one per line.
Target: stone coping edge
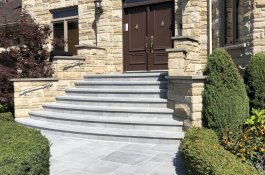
235 46
177 50
184 38
34 79
86 46
190 77
68 58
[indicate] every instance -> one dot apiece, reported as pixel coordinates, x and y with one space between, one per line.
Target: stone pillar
186 62
185 97
258 26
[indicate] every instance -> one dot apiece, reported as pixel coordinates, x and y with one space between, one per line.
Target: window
230 21
65 27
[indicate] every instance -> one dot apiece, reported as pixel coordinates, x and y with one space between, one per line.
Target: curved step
128 77
108 121
122 84
109 111
117 101
127 135
139 93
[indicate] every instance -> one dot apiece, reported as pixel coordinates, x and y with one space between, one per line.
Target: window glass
62 13
73 36
58 32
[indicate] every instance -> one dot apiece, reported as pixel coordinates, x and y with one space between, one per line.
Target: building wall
104 31
251 30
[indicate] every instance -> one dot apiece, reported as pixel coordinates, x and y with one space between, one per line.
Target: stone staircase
128 107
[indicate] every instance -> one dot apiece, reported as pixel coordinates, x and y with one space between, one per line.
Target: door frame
150 2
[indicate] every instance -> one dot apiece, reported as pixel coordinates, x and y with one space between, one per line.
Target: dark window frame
235 22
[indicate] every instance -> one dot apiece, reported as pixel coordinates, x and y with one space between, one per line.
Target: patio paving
76 156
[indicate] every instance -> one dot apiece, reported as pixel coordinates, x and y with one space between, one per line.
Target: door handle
152 44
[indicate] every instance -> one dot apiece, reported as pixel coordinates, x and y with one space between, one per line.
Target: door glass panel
73 36
58 33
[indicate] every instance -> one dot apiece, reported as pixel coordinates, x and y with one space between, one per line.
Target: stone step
99 133
109 111
137 93
122 84
110 101
127 77
109 121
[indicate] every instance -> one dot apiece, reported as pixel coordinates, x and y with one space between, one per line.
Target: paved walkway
74 156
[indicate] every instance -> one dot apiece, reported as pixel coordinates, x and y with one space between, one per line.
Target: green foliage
203 155
250 146
225 101
255 81
7 116
23 151
3 108
257 119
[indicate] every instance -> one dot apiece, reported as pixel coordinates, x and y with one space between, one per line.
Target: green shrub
7 116
249 146
203 155
255 81
225 101
23 151
3 108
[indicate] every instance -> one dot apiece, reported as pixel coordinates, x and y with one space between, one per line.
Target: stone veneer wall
258 26
186 61
33 99
251 30
103 30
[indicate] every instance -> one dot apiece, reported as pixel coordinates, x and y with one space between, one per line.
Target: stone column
185 97
186 62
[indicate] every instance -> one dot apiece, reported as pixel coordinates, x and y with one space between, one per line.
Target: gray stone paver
76 156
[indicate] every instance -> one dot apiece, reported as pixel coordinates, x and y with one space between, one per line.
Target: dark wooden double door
147 33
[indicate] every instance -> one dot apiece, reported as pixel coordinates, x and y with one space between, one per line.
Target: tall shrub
255 81
225 101
25 54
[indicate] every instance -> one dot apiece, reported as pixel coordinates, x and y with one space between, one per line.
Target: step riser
125 79
109 137
97 86
114 103
110 125
108 113
125 95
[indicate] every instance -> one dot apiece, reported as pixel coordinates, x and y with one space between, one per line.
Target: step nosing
116 99
102 131
107 108
133 75
108 119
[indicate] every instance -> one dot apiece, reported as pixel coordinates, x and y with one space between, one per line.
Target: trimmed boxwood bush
255 81
225 101
203 155
7 116
23 151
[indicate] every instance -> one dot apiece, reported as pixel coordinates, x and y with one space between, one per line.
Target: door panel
136 56
161 27
147 33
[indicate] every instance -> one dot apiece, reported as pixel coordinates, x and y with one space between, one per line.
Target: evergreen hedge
255 81
23 151
7 116
203 155
225 101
